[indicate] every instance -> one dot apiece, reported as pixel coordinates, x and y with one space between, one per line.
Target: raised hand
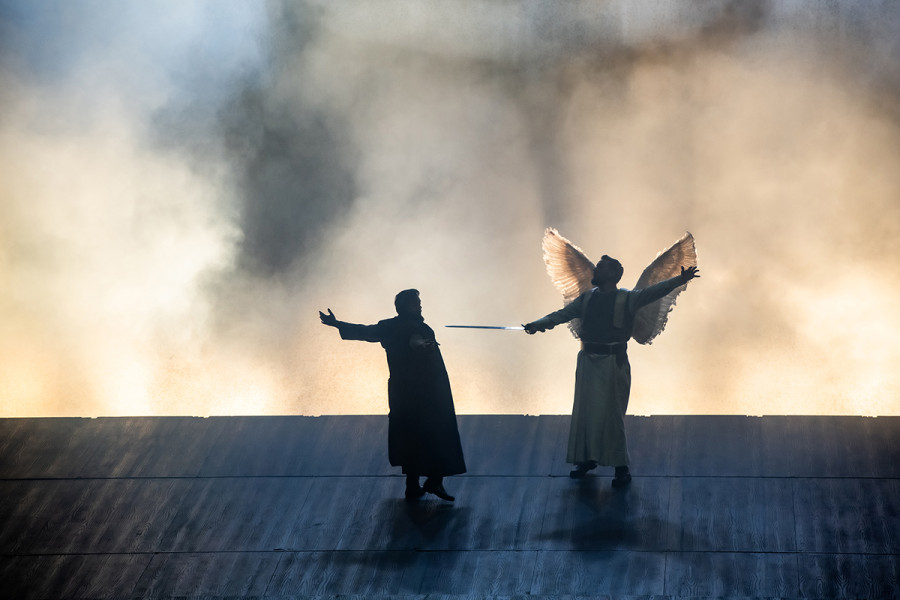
328 319
689 273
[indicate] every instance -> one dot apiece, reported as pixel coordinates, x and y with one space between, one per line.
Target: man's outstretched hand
328 319
689 273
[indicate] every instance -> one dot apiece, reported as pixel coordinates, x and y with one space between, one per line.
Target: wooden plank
496 513
369 574
151 446
263 446
395 524
57 447
45 512
88 516
650 441
848 515
211 574
71 576
849 576
723 514
509 444
133 515
735 575
20 507
596 573
354 445
729 445
12 434
882 452
845 446
236 515
589 515
334 509
481 574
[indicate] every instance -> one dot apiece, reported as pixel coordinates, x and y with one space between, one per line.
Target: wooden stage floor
297 507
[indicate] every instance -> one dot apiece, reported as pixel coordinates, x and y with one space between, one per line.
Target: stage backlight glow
181 191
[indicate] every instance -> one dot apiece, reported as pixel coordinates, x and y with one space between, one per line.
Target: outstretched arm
351 331
658 290
564 315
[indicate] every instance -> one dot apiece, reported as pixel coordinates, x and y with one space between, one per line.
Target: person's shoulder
598 292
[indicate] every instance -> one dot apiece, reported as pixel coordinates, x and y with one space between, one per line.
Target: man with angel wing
604 317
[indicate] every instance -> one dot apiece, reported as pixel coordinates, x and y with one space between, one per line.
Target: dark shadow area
590 515
424 524
432 518
611 519
409 539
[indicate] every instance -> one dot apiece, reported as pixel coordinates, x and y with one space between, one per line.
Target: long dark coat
422 434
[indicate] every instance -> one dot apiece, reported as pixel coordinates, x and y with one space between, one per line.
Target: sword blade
518 328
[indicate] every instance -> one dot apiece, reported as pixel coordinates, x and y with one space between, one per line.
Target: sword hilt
516 328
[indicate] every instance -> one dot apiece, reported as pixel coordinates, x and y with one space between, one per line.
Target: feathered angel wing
569 269
651 319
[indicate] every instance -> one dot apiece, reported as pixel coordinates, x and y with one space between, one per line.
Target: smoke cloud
184 186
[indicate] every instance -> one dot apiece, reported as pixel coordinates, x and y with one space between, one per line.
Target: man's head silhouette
607 271
408 303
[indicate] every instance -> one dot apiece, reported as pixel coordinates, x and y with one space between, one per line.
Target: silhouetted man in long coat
423 437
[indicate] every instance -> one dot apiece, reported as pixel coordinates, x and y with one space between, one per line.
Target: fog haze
184 186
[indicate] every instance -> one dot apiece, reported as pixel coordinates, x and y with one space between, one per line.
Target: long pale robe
603 380
423 437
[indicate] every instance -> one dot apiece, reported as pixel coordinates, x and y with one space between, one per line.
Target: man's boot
582 469
413 490
435 485
622 478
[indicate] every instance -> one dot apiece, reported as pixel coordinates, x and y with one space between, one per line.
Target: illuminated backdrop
184 186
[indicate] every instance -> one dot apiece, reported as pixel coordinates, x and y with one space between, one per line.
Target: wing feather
569 268
650 320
